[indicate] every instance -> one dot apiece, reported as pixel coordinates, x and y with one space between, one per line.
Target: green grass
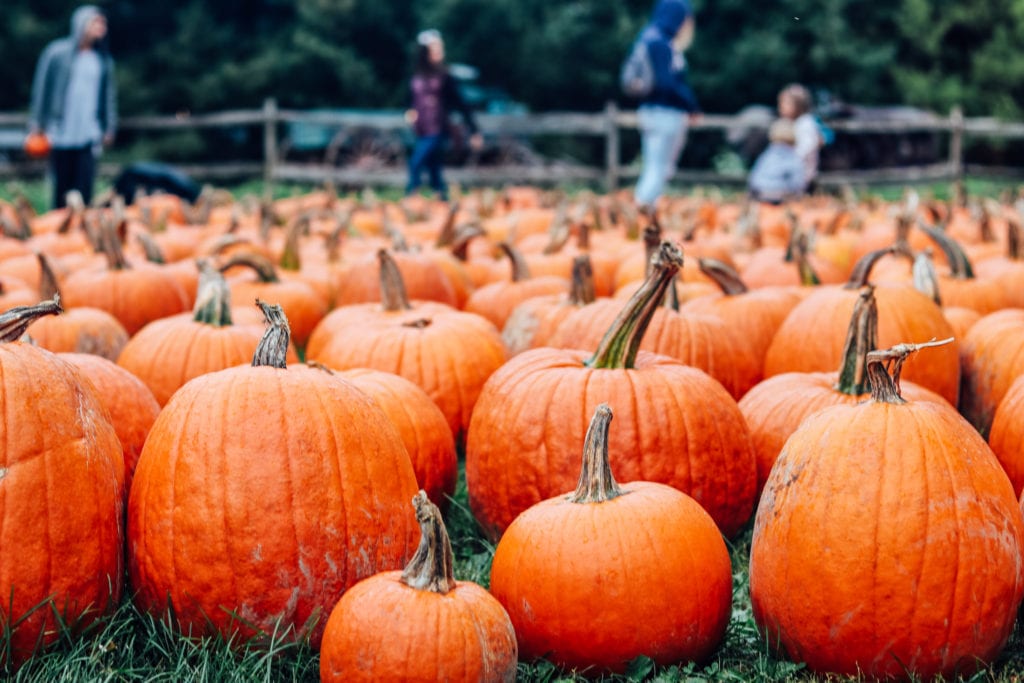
134 646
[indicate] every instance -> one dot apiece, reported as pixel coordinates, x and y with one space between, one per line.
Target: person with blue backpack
655 73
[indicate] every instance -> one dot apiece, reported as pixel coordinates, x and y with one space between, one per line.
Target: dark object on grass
152 176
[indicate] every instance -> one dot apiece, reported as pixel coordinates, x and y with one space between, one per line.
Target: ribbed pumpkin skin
80 330
61 498
131 405
673 425
992 356
598 584
168 353
450 358
135 296
1007 436
422 427
382 629
811 338
266 492
776 408
887 538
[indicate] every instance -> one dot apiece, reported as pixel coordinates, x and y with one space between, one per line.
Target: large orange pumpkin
992 357
262 494
419 624
888 540
61 495
595 578
679 426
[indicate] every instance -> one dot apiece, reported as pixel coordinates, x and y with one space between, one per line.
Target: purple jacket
433 96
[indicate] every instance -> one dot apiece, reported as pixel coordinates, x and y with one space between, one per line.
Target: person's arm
669 83
36 115
453 101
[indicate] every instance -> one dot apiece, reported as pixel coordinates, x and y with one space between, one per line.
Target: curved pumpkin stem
272 351
460 247
959 264
520 271
801 254
431 568
723 275
447 234
861 273
596 483
112 245
861 339
14 322
621 342
261 265
582 292
885 365
213 297
48 286
926 280
392 286
154 254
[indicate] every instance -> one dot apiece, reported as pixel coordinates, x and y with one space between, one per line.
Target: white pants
662 137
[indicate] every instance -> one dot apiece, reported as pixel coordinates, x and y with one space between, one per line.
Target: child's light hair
799 96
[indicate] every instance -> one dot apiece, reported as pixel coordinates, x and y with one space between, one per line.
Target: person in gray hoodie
74 102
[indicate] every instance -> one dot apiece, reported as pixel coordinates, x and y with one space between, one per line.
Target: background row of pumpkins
888 538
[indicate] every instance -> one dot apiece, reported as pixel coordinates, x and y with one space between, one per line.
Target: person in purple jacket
433 94
663 115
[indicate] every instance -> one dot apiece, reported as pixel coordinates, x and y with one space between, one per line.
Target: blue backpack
637 74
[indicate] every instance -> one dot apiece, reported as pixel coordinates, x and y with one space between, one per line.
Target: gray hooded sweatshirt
51 97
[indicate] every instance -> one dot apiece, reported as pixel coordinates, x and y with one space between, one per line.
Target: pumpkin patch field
522 435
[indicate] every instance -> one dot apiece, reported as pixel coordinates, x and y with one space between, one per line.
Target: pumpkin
680 427
129 402
262 494
961 287
168 353
992 360
419 624
448 353
78 330
497 300
888 541
62 547
1006 437
595 578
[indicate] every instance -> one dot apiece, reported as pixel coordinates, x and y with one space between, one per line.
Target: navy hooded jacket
670 86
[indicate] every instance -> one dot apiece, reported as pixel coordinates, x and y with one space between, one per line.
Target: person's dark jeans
73 169
427 155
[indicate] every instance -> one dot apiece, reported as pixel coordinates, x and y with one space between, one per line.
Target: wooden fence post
269 145
611 147
956 142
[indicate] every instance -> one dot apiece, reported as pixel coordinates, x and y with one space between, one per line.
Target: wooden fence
607 125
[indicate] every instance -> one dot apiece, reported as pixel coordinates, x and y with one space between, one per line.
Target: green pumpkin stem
596 483
861 274
213 297
392 286
808 278
723 275
621 342
581 292
154 254
14 322
290 259
861 339
885 365
272 350
520 271
48 286
431 568
261 265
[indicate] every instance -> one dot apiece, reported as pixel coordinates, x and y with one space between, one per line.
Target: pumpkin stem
652 242
261 265
154 254
959 264
48 287
596 483
520 271
723 275
290 259
885 365
621 342
1013 241
431 568
213 297
581 292
583 230
111 244
926 280
317 365
272 351
392 286
861 339
448 231
861 274
460 247
14 322
801 246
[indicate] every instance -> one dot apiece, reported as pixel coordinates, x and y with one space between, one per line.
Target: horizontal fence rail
607 124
